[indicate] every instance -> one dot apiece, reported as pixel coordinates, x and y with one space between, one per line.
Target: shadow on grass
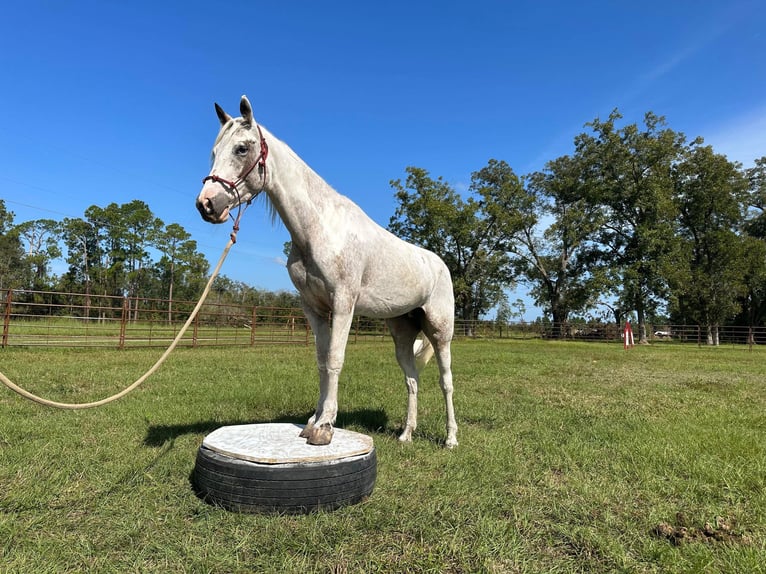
370 420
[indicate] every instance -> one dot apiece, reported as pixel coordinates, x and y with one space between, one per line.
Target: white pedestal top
279 443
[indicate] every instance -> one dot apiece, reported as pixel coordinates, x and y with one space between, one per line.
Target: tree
81 242
558 264
140 228
179 253
754 301
756 199
42 240
710 191
11 251
756 179
508 312
631 182
124 234
106 256
466 234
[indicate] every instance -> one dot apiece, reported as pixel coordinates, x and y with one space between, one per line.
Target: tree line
637 222
118 250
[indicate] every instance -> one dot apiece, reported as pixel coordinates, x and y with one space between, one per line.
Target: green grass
573 457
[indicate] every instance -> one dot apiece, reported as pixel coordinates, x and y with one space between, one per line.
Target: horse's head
234 179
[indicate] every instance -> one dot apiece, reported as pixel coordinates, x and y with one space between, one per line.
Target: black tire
291 488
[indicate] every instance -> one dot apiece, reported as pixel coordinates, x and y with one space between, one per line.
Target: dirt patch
718 530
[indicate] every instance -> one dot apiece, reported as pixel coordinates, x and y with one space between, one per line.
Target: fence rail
37 318
55 319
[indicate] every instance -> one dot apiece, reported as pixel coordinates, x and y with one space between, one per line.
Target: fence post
252 325
123 322
7 317
195 332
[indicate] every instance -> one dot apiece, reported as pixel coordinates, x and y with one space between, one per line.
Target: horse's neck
297 192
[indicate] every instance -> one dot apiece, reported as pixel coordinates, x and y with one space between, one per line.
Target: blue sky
106 101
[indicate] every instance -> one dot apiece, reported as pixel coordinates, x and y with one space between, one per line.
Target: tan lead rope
74 406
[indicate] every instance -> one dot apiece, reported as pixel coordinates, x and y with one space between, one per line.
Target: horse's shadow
370 420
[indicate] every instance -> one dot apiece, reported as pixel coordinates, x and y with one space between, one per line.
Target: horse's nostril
204 206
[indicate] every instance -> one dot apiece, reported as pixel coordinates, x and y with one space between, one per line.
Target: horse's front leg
331 350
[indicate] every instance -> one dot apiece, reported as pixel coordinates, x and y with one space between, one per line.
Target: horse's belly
396 283
384 301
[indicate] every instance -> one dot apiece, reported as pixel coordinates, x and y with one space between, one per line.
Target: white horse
341 262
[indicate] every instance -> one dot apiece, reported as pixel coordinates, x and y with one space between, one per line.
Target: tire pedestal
268 468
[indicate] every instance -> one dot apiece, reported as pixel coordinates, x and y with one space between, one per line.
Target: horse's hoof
306 432
320 436
451 443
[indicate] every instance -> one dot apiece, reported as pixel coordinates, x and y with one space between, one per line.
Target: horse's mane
270 208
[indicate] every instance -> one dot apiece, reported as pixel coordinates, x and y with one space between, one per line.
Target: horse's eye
241 149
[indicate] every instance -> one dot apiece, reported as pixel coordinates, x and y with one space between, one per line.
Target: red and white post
627 335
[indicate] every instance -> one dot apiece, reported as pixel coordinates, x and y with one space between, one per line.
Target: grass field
573 457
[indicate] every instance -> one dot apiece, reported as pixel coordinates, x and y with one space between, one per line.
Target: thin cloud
741 139
626 97
723 23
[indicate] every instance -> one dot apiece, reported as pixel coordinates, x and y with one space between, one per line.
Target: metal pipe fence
56 319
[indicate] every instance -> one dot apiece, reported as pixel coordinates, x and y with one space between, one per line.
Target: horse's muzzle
213 206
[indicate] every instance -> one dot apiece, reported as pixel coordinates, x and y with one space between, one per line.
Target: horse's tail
423 353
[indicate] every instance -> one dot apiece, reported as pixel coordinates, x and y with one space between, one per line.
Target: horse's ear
246 111
223 117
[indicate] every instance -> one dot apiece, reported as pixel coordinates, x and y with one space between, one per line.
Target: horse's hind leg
404 332
438 326
444 360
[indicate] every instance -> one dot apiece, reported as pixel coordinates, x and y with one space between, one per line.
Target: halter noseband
243 175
